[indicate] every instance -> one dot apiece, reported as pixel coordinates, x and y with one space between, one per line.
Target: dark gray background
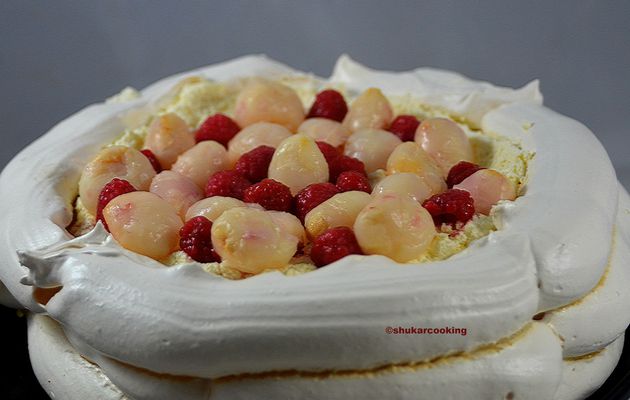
58 56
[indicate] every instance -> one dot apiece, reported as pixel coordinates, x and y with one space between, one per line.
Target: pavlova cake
248 231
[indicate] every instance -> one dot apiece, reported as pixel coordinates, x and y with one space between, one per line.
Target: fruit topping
353 180
404 183
325 130
451 207
254 164
255 135
201 162
228 184
372 147
213 207
461 171
329 151
289 223
312 196
329 104
265 100
409 157
487 187
195 240
145 223
113 162
342 164
113 189
179 191
341 184
217 127
333 245
394 226
298 162
444 141
152 159
250 241
270 194
340 210
371 110
167 137
404 126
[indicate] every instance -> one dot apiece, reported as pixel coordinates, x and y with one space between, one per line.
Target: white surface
601 316
569 228
78 379
61 371
581 377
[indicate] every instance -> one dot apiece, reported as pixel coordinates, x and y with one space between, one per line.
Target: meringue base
541 257
492 372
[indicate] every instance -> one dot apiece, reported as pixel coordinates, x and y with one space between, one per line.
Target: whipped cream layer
183 321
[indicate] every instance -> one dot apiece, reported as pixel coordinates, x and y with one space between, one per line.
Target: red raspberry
342 164
334 244
404 126
254 164
195 240
111 190
353 180
329 104
217 127
270 194
461 171
329 151
312 196
450 207
152 159
227 183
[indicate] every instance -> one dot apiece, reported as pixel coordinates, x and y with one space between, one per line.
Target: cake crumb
82 222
